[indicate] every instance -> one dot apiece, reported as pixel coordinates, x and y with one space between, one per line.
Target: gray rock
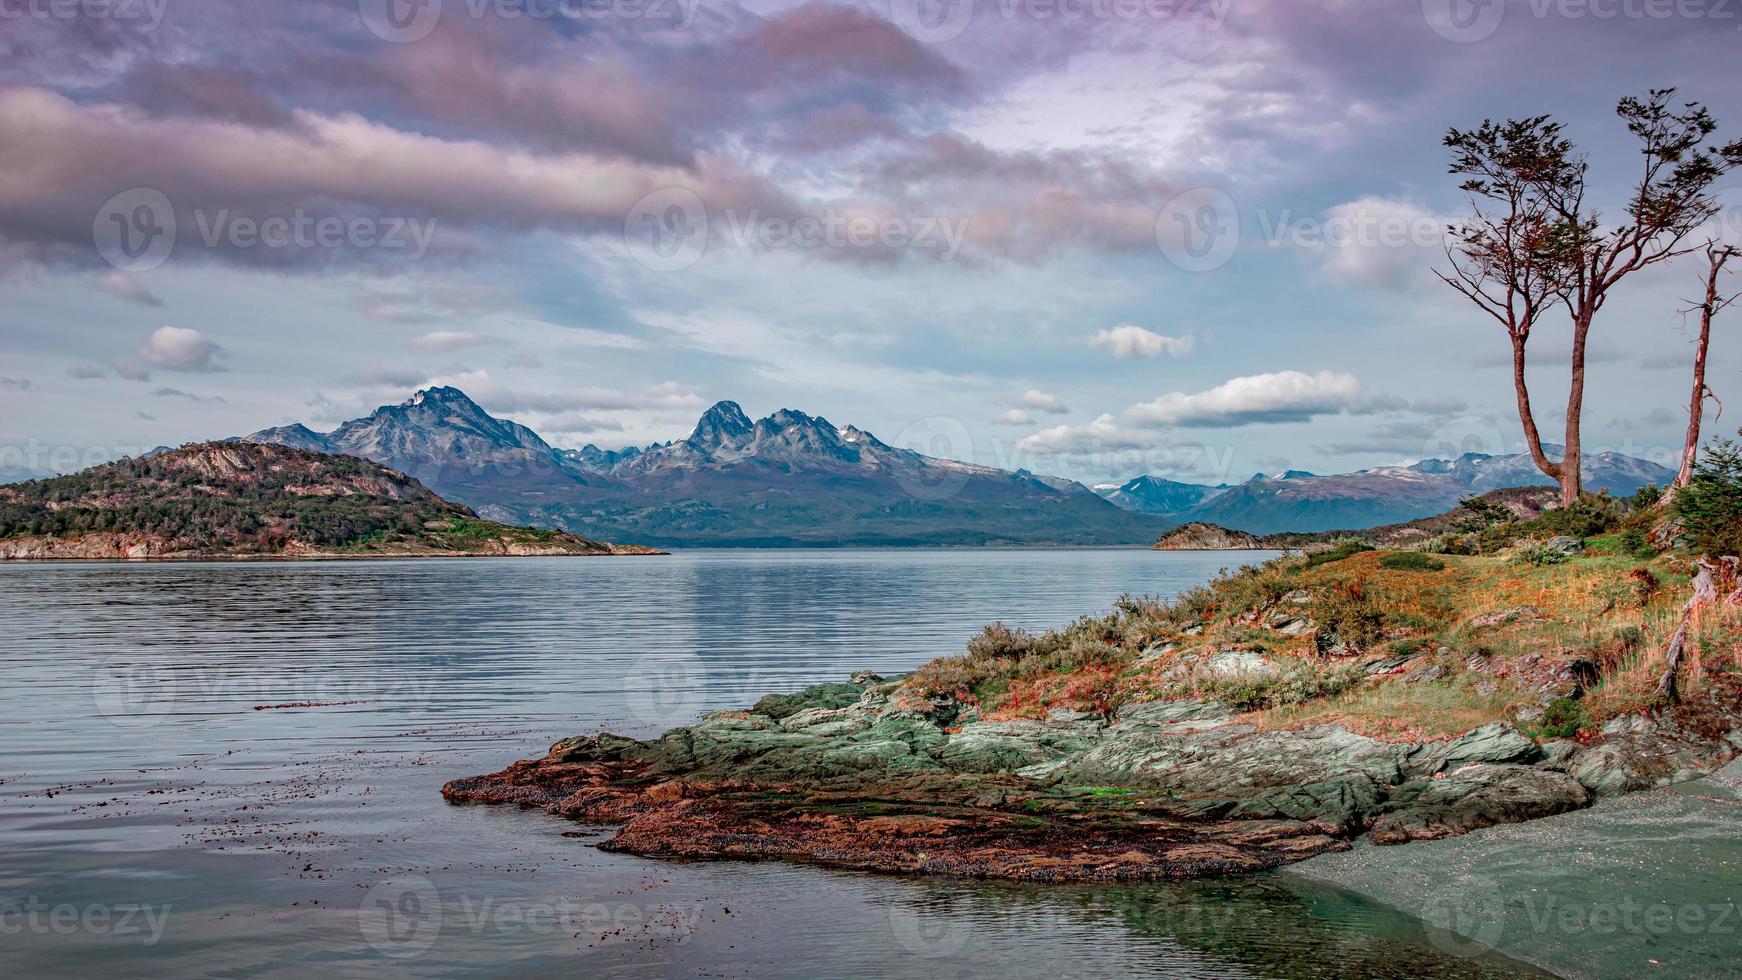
1474 796
1231 760
1243 663
1566 545
1511 614
1493 743
1391 664
1292 625
1425 674
1174 715
1639 753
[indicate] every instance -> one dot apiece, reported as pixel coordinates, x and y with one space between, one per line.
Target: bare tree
1500 256
1717 256
1557 248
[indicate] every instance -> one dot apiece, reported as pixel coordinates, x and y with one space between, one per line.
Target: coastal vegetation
1498 618
247 500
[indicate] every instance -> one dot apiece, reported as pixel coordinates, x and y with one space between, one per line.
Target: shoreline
866 776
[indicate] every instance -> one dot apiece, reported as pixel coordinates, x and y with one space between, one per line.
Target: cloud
498 398
1375 241
1043 402
144 417
127 289
525 360
73 154
16 384
87 372
1131 341
188 396
1015 416
1283 396
444 341
387 376
573 423
182 349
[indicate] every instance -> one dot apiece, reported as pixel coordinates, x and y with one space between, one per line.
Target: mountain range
1301 501
789 479
792 479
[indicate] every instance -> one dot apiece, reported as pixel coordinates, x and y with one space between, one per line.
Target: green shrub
1346 548
1711 505
1350 616
1538 555
1646 497
1562 718
996 641
1633 543
1588 517
1412 561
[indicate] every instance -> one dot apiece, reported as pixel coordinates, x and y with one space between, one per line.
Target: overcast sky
1090 237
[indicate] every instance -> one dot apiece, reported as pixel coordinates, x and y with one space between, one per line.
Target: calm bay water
229 770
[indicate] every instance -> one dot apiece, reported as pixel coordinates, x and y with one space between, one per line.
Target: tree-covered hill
240 499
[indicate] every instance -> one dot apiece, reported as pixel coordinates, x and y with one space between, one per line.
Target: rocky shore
873 775
112 546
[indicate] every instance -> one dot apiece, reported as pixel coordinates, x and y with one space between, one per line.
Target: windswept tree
1714 302
1532 240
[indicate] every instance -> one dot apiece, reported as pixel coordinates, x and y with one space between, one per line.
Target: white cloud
1015 416
127 289
444 341
1043 402
1282 396
1131 341
1376 241
181 349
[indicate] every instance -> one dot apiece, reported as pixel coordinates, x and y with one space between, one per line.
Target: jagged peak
725 421
440 395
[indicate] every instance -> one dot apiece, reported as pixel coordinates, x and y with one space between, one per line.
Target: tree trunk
1697 401
1532 437
1571 459
1705 590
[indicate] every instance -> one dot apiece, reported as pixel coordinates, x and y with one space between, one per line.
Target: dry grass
1597 609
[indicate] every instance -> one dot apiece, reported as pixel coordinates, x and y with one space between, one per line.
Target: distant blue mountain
789 479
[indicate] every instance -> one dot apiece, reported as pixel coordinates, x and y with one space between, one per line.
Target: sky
1091 238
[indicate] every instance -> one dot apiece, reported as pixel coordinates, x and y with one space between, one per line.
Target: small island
232 500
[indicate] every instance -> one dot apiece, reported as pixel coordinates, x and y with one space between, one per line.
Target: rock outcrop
868 775
1206 537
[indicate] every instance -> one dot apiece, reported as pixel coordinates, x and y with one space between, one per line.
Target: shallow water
228 770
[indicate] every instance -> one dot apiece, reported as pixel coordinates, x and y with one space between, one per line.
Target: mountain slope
245 500
789 479
1153 495
1304 502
